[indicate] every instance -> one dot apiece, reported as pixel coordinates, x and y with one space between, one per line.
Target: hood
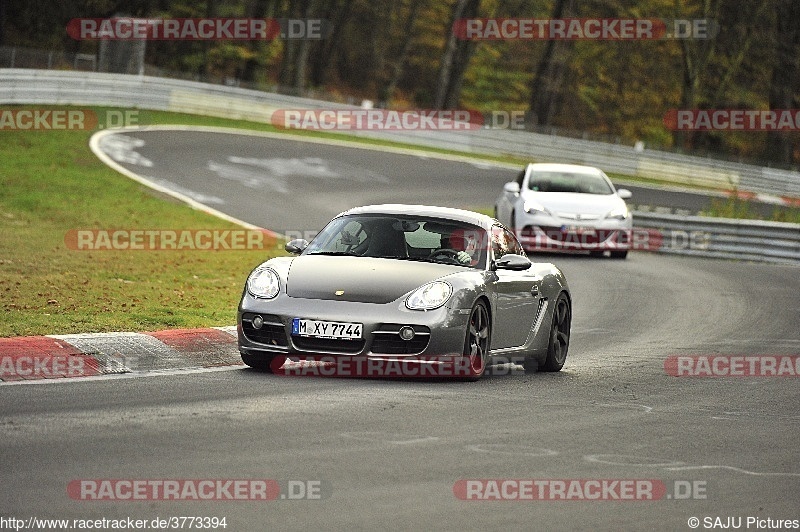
575 203
363 279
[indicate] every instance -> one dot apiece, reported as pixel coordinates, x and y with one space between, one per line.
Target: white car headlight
263 283
532 207
430 296
618 214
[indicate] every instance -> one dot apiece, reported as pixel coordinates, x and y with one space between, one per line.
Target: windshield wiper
417 259
336 253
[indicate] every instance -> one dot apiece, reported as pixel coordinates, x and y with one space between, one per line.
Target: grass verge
51 183
735 207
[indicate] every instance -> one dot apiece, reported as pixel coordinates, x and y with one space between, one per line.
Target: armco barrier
754 240
30 86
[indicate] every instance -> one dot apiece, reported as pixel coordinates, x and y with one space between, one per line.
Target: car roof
558 167
448 213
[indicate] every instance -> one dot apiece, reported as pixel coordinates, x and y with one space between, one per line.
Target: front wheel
476 343
619 254
266 363
559 335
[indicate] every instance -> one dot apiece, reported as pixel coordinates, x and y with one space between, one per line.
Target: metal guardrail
30 86
754 240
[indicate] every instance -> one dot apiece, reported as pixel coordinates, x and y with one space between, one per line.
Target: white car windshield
580 183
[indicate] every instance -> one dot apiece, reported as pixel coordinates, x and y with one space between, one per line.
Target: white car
566 207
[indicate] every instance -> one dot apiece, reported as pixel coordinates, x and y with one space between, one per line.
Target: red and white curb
786 201
35 358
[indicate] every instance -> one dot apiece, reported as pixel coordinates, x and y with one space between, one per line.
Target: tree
784 93
548 80
292 77
697 55
455 58
396 70
337 12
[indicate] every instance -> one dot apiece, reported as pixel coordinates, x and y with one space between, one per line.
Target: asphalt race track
390 453
293 185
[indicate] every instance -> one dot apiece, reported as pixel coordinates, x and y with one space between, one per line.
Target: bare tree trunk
211 12
261 9
301 59
546 87
387 92
455 59
327 49
292 77
696 54
2 21
784 92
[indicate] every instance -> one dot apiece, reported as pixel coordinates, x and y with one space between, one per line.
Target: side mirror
624 193
511 187
512 261
296 247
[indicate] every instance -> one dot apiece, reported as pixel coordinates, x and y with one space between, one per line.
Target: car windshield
581 183
401 237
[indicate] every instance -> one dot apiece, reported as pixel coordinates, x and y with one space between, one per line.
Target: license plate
326 329
578 230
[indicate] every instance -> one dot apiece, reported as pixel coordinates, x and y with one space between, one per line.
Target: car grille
577 216
387 340
271 333
593 236
328 345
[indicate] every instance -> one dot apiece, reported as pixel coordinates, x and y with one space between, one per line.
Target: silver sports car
407 284
567 207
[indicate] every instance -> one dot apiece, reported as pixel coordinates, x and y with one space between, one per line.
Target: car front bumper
550 233
439 332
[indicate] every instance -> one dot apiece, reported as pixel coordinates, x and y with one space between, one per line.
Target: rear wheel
267 363
476 343
559 335
619 254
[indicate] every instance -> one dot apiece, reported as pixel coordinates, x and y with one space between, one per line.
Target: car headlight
430 296
531 207
618 214
263 283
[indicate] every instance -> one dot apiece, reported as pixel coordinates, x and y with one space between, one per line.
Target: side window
499 242
348 238
513 244
521 177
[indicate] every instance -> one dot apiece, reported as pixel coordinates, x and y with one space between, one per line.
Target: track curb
69 356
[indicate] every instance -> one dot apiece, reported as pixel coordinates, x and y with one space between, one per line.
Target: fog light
406 333
258 322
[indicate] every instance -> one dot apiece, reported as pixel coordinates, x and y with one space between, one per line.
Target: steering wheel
446 253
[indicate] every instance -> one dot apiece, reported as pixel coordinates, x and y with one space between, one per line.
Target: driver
465 242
